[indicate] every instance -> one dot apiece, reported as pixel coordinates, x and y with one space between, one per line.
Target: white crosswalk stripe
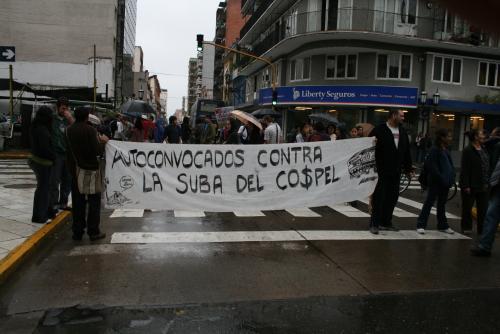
349 211
272 236
303 212
400 213
127 213
249 213
419 206
188 214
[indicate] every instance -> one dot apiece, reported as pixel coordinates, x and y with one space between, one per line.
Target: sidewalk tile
21 229
24 218
6 236
4 212
11 244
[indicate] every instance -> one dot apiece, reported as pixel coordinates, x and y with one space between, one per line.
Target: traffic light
275 97
199 39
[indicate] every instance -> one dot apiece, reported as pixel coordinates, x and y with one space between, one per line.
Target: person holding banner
392 155
272 133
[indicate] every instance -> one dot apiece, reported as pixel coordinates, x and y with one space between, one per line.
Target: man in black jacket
392 154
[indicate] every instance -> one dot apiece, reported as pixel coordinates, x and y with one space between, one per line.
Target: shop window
447 70
341 66
489 74
300 69
394 66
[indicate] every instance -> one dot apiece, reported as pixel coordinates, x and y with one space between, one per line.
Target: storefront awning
468 107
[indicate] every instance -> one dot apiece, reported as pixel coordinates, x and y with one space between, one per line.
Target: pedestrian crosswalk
410 210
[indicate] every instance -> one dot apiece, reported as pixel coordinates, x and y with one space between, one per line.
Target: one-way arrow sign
7 53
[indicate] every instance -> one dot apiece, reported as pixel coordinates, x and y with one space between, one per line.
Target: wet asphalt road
253 287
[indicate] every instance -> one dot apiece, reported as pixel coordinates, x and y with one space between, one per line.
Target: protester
474 176
441 176
41 161
360 131
392 154
159 132
84 146
332 129
173 131
492 217
420 147
272 133
60 179
208 131
304 133
243 133
224 132
353 133
233 137
186 130
319 133
255 136
137 132
149 128
119 131
494 139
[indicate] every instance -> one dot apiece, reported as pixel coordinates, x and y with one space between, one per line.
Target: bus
204 107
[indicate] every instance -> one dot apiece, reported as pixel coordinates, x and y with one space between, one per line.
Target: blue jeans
491 221
60 186
41 199
441 193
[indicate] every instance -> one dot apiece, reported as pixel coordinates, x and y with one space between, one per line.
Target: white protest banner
224 178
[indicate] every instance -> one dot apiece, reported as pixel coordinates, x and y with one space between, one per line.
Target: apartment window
447 69
489 74
394 66
300 69
341 66
265 78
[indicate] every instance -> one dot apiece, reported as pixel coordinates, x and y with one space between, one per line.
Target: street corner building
356 59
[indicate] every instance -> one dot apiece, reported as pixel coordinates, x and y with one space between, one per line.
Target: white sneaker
420 231
448 231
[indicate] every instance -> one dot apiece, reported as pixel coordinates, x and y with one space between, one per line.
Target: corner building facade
356 59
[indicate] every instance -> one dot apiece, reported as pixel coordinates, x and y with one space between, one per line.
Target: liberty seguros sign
404 97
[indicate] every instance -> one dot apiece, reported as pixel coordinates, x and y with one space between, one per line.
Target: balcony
371 21
255 16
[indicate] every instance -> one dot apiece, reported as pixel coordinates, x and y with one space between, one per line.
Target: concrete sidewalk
18 235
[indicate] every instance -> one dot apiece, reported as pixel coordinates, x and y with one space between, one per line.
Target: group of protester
479 180
63 146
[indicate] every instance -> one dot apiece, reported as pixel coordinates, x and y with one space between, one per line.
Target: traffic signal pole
264 60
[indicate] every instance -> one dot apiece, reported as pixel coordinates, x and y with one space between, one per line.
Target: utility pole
95 80
11 93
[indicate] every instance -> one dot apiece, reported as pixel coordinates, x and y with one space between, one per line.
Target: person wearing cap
60 184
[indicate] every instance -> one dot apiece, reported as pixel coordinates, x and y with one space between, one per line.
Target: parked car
5 125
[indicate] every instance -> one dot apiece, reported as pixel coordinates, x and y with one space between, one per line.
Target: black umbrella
325 117
137 108
264 112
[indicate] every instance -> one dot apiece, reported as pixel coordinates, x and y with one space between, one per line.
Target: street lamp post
141 94
426 109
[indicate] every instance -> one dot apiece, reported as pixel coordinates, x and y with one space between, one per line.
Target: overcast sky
166 30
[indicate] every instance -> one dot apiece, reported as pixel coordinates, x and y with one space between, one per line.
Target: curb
14 155
14 259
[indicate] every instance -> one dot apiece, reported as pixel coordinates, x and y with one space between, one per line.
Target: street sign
8 53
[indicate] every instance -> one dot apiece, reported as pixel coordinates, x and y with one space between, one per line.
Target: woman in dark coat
232 137
137 134
41 161
441 176
474 180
